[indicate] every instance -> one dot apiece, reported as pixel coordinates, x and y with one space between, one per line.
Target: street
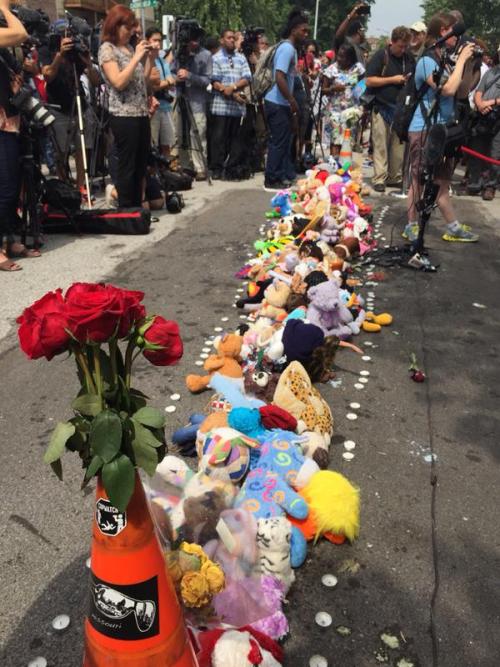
422 582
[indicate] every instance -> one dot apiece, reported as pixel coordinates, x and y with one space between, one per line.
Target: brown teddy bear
275 298
225 362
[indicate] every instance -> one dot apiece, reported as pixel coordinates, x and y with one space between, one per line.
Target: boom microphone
457 31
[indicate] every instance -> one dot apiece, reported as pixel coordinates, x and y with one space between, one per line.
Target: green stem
82 362
113 345
96 350
128 362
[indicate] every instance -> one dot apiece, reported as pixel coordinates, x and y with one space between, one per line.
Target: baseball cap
418 26
331 54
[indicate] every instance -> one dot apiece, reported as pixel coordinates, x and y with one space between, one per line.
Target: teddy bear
275 298
225 362
328 312
281 203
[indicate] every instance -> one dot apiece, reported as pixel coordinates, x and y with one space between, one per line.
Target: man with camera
230 76
387 72
59 60
352 31
486 135
162 124
11 35
193 70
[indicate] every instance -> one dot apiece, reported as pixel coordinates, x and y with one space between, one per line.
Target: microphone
457 31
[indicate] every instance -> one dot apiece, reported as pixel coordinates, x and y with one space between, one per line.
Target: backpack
406 104
263 78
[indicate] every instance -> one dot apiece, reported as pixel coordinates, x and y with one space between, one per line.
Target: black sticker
109 519
124 612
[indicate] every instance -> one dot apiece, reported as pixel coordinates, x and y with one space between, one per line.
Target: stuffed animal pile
262 490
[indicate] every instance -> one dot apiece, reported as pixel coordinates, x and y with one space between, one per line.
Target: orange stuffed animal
225 362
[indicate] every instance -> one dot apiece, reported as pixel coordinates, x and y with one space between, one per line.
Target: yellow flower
215 577
189 562
195 591
195 550
174 568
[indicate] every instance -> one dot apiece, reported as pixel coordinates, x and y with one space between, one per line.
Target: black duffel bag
98 221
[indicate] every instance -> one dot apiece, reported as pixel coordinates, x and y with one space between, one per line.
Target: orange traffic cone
345 155
135 619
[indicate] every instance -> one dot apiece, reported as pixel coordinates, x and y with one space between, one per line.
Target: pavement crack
21 521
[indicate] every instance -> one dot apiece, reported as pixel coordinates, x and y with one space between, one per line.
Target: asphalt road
426 459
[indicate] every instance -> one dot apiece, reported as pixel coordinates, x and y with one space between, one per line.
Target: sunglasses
231 61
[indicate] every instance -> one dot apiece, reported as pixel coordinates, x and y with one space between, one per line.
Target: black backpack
406 104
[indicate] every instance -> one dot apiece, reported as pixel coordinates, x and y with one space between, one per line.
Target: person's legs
218 136
127 135
141 160
197 159
167 133
279 145
9 190
380 132
234 157
182 136
155 124
396 157
494 173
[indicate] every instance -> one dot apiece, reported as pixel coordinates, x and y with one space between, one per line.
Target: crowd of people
204 105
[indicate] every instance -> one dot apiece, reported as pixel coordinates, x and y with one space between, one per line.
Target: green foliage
118 477
214 15
481 17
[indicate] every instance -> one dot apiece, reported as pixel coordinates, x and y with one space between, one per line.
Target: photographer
352 31
11 35
440 97
386 74
126 72
231 74
486 135
162 124
193 70
58 61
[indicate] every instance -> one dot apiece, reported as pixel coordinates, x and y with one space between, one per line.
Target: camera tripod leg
189 123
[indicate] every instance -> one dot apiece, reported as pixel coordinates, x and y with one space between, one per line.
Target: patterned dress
335 110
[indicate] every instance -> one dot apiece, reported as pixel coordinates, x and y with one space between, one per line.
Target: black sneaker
276 186
216 175
379 187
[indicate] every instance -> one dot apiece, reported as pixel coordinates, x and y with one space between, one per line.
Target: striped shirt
228 69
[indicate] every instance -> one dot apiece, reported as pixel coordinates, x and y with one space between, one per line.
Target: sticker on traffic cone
134 618
345 155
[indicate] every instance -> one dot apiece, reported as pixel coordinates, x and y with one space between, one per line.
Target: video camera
184 31
251 39
35 21
77 29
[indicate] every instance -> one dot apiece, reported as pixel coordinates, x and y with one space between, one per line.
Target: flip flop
7 265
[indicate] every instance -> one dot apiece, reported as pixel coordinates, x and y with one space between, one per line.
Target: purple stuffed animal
330 231
327 311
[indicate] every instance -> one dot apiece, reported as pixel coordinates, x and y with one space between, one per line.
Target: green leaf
145 457
118 477
150 417
144 435
106 435
77 441
94 466
57 468
87 404
62 432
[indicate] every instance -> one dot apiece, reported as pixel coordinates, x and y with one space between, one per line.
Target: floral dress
341 110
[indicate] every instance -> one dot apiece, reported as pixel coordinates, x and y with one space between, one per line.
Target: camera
35 21
364 10
76 28
185 30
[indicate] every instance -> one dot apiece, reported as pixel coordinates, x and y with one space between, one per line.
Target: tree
481 17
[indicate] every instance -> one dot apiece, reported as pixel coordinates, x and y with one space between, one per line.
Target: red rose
165 333
42 331
132 309
94 311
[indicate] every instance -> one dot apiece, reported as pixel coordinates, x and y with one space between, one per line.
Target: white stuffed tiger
273 543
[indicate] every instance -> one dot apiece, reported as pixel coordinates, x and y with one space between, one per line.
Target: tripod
183 107
317 119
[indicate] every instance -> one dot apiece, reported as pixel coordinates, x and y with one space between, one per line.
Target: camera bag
126 221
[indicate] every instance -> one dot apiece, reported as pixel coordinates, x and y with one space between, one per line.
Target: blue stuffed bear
281 200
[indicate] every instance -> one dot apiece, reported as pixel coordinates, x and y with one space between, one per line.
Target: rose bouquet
113 430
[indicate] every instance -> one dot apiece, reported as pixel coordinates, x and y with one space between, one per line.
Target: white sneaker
111 202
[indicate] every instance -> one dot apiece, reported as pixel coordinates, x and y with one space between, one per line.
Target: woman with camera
126 71
440 25
11 35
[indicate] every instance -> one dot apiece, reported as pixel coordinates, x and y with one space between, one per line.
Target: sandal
25 253
7 265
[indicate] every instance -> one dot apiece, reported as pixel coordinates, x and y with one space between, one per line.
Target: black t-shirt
61 90
387 95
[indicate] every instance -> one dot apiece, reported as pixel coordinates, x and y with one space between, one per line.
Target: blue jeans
279 165
9 182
